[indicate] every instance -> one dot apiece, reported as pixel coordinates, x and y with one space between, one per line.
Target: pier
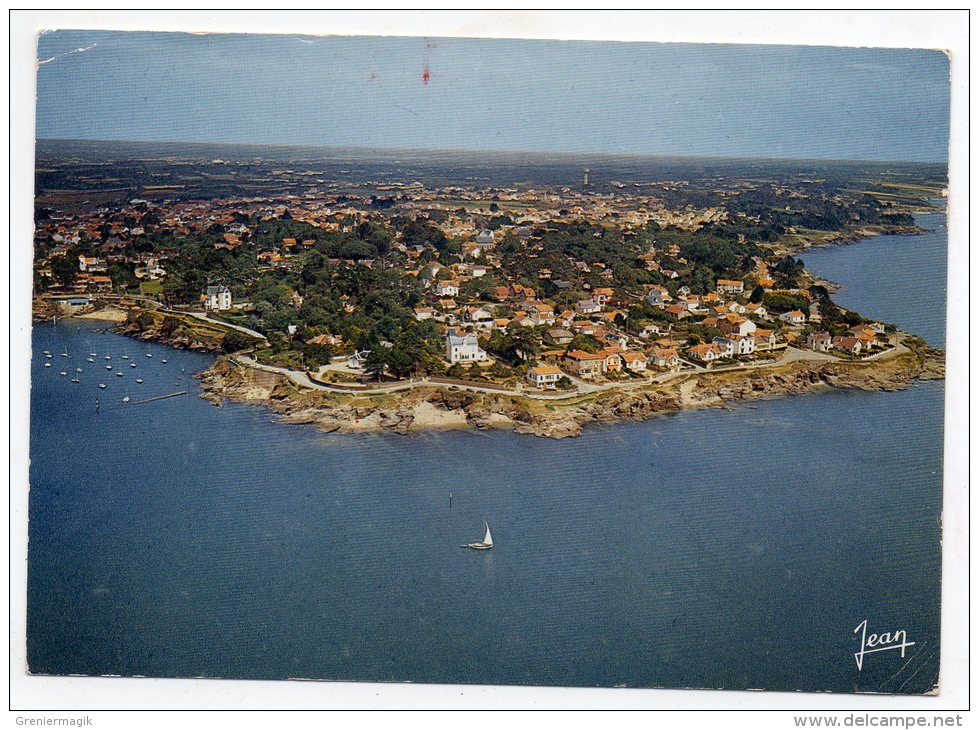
159 397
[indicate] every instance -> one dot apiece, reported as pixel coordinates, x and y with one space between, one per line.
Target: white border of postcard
921 29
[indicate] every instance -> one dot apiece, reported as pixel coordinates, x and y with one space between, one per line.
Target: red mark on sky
426 75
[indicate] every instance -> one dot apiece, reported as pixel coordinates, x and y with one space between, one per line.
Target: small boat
108 357
487 542
149 354
138 380
47 355
125 357
75 380
46 352
126 399
91 359
119 374
62 373
64 354
78 370
108 367
164 361
47 364
92 354
102 385
132 364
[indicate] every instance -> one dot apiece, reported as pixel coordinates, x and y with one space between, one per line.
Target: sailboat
487 542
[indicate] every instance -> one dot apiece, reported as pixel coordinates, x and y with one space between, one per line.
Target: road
582 387
204 318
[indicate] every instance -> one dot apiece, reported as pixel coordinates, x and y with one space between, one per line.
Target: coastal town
528 289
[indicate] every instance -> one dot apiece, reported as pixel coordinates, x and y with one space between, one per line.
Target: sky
521 95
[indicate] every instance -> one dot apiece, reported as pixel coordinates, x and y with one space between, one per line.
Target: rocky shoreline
848 236
435 407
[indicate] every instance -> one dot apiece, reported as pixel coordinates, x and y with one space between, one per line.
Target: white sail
488 538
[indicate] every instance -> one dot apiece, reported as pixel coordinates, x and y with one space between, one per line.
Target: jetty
159 397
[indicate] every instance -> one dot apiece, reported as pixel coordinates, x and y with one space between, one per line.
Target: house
794 318
541 314
216 298
729 286
733 344
484 238
613 359
658 297
724 346
705 353
819 341
665 358
463 347
756 310
851 345
764 339
602 294
91 264
544 376
558 336
679 311
478 314
423 313
587 306
447 289
635 361
585 364
649 329
732 324
100 283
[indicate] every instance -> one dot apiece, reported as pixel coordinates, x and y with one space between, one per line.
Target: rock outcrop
432 407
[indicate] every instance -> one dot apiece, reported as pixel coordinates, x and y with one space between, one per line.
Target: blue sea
729 549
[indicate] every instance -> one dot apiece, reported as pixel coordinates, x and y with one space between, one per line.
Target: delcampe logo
871 643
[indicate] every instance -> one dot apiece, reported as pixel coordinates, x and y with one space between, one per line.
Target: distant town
525 287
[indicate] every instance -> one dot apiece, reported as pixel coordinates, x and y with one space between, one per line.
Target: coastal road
303 380
221 323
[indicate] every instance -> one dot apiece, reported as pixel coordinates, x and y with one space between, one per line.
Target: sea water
713 548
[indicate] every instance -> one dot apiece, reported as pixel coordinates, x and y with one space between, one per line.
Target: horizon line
487 151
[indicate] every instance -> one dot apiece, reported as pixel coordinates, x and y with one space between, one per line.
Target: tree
169 326
64 270
236 341
376 362
586 343
757 294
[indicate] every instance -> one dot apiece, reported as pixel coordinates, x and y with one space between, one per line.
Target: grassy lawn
151 288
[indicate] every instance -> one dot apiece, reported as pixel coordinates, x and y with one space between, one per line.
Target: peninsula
372 300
